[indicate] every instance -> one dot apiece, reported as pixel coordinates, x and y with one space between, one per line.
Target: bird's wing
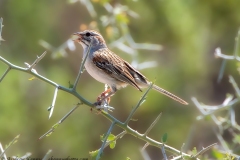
114 66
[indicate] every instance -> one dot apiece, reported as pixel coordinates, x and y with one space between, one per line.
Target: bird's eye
88 34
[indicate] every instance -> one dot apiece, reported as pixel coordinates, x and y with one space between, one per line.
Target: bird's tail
163 91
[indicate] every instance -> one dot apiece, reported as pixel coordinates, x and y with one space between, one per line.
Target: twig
233 120
152 125
216 108
82 66
222 141
1 25
1 149
12 142
35 74
229 101
59 122
197 154
47 154
234 56
28 154
204 150
53 102
5 73
235 86
36 61
145 154
145 146
164 153
182 150
138 104
120 135
236 45
105 140
221 71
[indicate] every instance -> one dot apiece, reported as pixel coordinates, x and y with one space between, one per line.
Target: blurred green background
189 32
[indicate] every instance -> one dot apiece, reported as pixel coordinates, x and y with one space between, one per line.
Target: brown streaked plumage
107 67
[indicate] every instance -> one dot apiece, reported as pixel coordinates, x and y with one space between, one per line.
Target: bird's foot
103 98
103 101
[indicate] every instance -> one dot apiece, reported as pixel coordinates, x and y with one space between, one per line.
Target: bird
107 67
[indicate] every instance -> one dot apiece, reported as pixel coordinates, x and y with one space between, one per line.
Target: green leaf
194 151
216 154
111 137
49 134
236 139
70 85
55 125
128 158
112 144
32 78
164 138
93 154
15 140
207 118
122 18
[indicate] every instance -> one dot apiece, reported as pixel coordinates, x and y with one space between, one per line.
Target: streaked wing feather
114 66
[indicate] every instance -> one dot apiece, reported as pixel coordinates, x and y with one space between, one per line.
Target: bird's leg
105 96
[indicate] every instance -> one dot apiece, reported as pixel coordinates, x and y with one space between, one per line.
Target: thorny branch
227 105
218 54
122 125
30 70
1 25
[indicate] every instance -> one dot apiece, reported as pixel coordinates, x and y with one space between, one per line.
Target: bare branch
182 150
59 122
236 45
152 125
235 86
5 73
28 154
47 155
204 150
219 54
197 154
233 120
139 103
145 146
213 109
222 141
53 102
11 143
145 154
40 77
1 25
2 151
164 153
82 67
36 61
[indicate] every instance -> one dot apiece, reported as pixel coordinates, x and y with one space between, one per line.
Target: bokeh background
188 32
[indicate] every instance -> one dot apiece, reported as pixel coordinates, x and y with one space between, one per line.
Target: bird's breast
97 73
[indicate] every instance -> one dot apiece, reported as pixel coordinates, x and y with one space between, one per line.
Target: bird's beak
76 37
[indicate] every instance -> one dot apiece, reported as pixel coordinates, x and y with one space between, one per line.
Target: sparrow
108 68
